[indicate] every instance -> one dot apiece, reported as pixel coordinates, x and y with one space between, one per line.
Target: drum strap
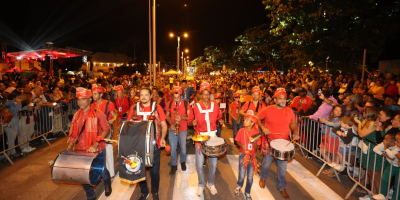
83 128
207 116
145 114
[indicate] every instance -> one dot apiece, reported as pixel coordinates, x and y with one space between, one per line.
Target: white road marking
186 182
120 190
256 191
315 187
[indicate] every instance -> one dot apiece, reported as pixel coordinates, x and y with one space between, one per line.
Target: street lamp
179 39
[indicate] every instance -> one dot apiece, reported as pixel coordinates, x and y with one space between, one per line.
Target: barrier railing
369 170
30 125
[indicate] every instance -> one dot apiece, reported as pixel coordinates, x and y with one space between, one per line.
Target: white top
282 145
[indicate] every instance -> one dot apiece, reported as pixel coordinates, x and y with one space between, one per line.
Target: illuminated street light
187 51
186 35
178 49
171 35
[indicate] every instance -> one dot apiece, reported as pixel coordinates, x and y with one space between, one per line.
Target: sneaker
144 197
247 196
379 197
26 150
366 197
183 166
31 148
339 168
155 196
356 172
332 164
200 191
212 188
237 190
173 170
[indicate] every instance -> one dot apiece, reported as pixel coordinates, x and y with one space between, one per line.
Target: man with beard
279 120
141 112
204 117
109 110
86 118
301 102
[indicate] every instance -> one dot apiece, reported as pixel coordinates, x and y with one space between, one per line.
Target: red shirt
235 108
102 108
123 104
181 112
243 137
201 117
246 106
160 112
306 103
102 125
277 121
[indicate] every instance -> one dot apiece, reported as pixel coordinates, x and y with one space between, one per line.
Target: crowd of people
351 109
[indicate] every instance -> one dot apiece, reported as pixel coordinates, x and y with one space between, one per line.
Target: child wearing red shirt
247 152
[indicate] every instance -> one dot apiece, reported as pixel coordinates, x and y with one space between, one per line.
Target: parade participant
279 120
247 153
187 92
141 112
217 100
255 105
244 97
84 134
122 103
225 102
302 102
204 117
234 113
108 109
181 108
133 96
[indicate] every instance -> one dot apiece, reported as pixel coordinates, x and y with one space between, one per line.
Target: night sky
100 25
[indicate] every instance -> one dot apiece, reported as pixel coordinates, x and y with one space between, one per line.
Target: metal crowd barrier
34 124
315 140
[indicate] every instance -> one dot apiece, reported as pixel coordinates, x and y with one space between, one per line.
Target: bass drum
78 167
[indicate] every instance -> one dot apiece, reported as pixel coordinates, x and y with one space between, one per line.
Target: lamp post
178 48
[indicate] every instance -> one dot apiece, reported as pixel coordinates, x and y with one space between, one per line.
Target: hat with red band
237 94
177 89
119 88
205 86
217 96
83 93
280 91
97 88
256 90
250 115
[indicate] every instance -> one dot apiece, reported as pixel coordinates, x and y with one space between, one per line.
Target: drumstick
108 140
289 142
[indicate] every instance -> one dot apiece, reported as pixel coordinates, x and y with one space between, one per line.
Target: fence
31 125
365 165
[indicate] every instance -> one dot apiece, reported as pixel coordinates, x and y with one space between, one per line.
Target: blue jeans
106 178
236 127
242 174
199 167
173 141
219 131
282 165
154 175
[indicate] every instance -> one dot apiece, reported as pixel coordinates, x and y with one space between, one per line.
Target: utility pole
150 39
154 42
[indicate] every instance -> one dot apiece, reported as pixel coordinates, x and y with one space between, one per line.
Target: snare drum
281 150
214 147
78 167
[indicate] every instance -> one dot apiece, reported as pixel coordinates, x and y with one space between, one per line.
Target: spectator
392 89
301 102
377 90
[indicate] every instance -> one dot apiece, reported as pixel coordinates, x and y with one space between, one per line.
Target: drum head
215 141
282 145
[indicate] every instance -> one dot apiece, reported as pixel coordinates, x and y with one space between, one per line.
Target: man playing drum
142 111
108 109
204 116
87 126
182 109
279 120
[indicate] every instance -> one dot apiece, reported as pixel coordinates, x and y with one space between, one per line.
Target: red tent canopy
11 70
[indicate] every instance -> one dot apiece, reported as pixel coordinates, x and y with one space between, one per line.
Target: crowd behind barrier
342 142
35 125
